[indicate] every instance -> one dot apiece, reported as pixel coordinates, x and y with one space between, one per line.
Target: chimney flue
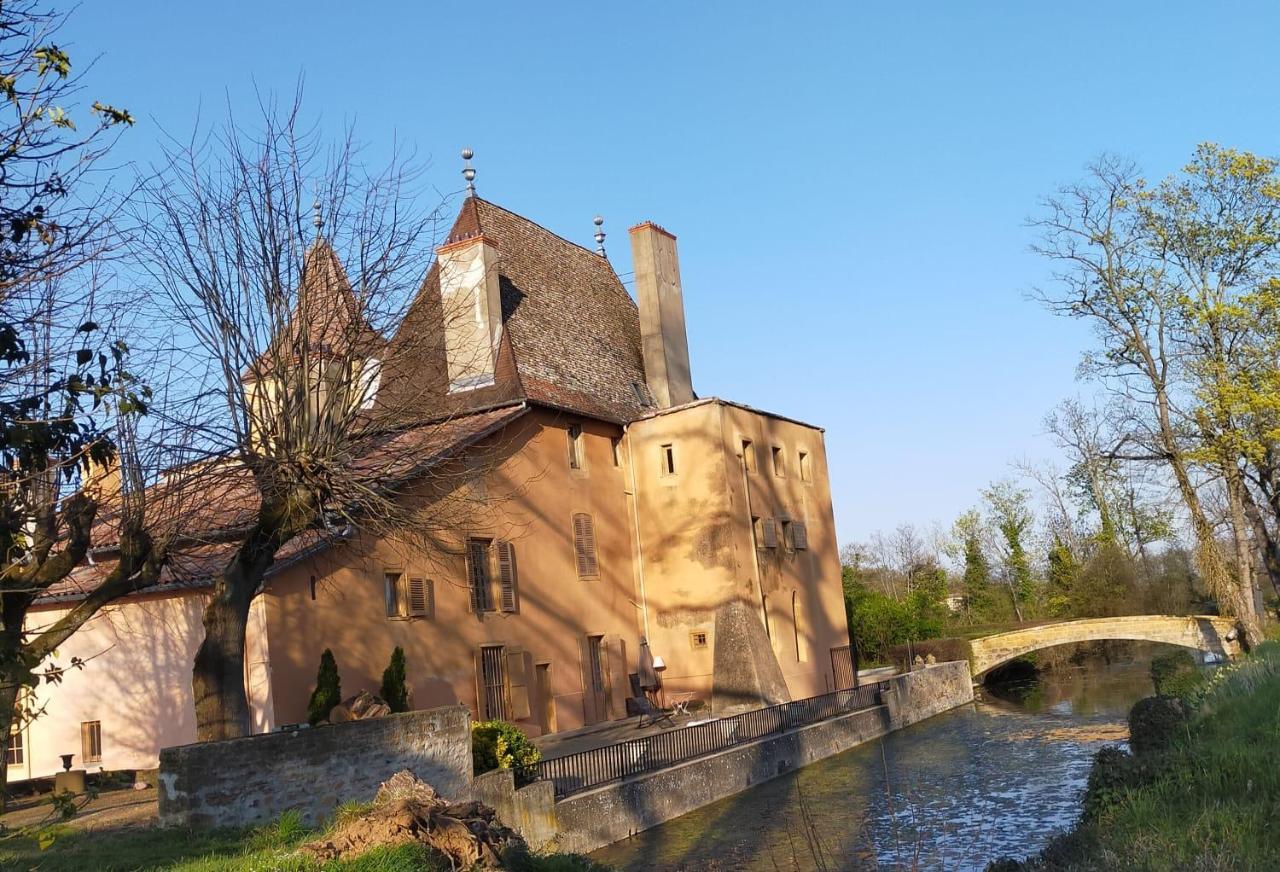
661 301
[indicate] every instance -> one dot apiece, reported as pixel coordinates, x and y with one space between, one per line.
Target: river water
992 779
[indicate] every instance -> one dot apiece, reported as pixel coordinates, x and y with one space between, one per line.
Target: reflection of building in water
620 507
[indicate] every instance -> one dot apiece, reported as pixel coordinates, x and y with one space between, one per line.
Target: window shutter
584 546
478 574
507 575
800 535
518 685
419 597
770 533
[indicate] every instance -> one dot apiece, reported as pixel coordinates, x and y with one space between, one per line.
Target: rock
918 662
362 706
141 785
406 810
931 660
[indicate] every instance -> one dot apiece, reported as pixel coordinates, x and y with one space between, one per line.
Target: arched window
797 624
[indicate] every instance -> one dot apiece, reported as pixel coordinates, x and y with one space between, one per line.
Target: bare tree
1124 272
285 263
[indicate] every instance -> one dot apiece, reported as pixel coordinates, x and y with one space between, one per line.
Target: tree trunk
1268 547
217 678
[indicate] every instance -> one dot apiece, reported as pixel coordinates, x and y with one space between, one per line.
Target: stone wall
596 818
254 779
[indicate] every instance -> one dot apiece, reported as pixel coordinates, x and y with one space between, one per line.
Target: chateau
619 508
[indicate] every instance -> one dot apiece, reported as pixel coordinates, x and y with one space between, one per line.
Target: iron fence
584 770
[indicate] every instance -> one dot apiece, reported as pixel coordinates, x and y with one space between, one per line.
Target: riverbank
1204 797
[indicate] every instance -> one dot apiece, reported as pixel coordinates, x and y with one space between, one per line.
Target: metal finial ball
469 174
316 219
598 220
468 154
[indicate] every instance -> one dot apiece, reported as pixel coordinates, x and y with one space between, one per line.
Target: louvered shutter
800 535
507 576
770 533
584 546
419 597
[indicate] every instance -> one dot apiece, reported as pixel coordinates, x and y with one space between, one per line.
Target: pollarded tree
284 262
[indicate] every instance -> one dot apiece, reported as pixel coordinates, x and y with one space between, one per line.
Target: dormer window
370 378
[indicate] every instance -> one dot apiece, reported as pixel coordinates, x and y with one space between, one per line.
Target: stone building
621 507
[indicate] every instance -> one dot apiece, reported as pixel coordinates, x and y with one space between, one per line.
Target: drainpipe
635 516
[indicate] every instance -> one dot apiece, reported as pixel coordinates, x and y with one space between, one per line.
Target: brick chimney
471 306
666 347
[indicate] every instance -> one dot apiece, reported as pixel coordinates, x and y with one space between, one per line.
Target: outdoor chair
650 714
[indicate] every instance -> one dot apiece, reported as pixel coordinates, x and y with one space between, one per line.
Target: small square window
806 472
668 458
748 455
779 463
15 754
698 639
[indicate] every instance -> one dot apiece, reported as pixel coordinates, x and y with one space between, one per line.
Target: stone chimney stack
471 306
666 347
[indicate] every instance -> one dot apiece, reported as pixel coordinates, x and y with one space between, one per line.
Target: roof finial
317 219
468 171
599 222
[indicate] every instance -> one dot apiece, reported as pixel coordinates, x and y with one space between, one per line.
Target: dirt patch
408 810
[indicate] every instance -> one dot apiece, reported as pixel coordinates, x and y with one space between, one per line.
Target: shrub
328 692
500 745
394 691
1154 723
1176 674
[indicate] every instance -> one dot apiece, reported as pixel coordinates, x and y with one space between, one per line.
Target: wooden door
546 698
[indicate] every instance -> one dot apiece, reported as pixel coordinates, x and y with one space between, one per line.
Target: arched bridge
1207 633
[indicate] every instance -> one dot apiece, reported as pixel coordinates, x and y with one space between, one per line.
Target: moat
994 778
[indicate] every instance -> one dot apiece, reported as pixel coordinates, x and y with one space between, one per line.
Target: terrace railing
574 773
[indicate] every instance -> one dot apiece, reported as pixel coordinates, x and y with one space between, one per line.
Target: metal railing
584 770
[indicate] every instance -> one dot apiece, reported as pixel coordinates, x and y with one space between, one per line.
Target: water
954 792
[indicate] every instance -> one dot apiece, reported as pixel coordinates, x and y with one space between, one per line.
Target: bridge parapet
1203 632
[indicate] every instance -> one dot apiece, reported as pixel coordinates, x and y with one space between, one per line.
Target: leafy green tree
328 692
394 689
1063 571
1012 517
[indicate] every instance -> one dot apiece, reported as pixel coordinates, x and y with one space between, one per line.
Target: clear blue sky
848 181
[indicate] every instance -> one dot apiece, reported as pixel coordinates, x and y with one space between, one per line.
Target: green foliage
1063 570
1154 724
500 745
328 692
977 576
1176 674
878 622
394 689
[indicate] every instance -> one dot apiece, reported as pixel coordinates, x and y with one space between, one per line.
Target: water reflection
954 792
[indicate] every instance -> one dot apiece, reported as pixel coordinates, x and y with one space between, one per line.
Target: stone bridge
1207 633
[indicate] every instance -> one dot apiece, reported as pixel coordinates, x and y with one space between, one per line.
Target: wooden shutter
799 535
770 533
419 597
518 684
507 576
616 676
584 546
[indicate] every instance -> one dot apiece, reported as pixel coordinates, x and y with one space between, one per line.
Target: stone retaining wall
253 780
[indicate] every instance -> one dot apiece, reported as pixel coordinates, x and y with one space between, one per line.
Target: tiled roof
571 335
218 500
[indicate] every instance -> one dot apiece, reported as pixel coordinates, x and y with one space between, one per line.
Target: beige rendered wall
698 548
535 495
136 681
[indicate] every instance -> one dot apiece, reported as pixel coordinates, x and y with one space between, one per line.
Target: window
595 662
748 455
479 575
395 601
757 531
642 394
806 473
91 742
14 754
508 597
409 596
799 535
584 546
313 588
770 530
616 444
768 620
779 463
698 639
575 447
493 683
788 535
668 459
802 651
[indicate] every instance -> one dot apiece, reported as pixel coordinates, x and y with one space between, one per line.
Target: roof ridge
563 239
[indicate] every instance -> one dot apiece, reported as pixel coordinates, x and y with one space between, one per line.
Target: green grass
266 849
1214 798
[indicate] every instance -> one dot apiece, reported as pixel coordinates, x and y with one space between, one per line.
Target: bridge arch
1204 632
